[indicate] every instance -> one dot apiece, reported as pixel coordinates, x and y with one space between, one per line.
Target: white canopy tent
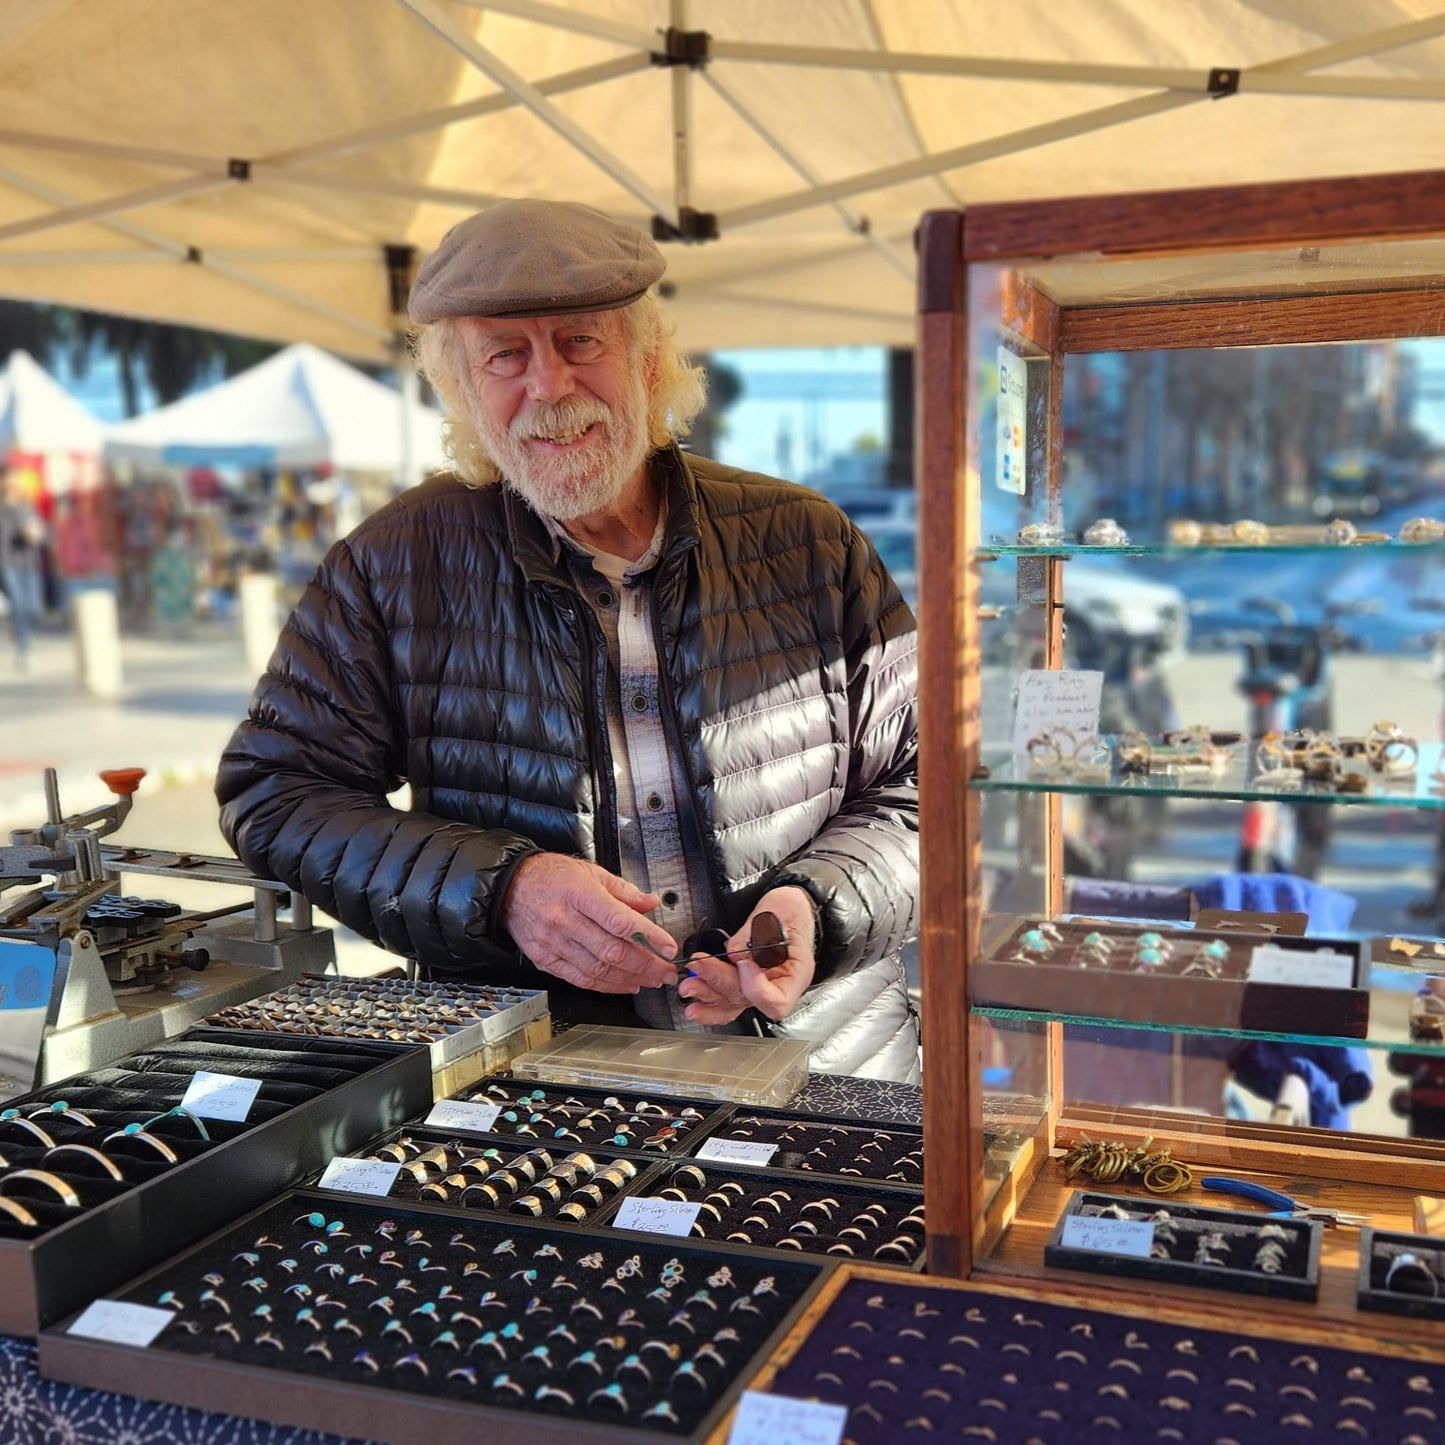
39 419
37 414
276 169
299 408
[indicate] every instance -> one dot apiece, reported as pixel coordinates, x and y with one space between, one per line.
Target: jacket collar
539 553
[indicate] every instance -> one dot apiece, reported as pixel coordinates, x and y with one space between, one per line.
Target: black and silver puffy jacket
442 644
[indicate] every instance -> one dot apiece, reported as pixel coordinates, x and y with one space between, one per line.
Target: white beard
565 486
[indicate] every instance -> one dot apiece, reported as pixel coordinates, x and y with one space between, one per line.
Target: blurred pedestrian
22 536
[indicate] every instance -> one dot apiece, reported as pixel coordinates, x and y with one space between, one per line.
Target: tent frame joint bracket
692 48
1223 80
691 226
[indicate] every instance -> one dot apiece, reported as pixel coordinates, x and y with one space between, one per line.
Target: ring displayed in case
53 1182
1409 1274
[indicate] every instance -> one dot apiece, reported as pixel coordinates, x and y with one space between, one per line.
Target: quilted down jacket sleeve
304 781
862 868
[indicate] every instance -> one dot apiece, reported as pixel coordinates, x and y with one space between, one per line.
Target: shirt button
669 899
605 599
639 702
654 803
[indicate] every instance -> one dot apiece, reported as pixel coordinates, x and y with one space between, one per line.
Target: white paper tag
1107 1235
736 1151
1065 699
124 1324
462 1114
1010 471
220 1096
766 1419
657 1216
1268 963
359 1176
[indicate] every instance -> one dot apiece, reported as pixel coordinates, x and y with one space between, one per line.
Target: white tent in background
40 419
300 408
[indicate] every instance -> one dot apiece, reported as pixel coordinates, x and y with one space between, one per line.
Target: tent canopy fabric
38 415
299 408
277 169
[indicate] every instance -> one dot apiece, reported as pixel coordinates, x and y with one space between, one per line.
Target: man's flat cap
534 258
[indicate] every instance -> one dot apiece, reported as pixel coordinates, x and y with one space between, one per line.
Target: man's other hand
575 920
719 991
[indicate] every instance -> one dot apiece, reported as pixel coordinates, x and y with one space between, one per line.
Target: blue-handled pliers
1281 1205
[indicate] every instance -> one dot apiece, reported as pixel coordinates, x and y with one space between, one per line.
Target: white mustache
547 419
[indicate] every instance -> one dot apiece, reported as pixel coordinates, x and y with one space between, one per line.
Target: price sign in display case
1182 530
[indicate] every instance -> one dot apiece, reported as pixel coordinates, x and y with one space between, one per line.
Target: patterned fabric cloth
40 1412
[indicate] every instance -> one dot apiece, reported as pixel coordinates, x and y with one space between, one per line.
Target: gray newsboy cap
534 258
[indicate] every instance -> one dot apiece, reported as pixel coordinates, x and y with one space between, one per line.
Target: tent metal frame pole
166 248
1359 47
113 205
562 18
102 150
431 120
955 159
682 118
839 252
851 218
502 74
978 67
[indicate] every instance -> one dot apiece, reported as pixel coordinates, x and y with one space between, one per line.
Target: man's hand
720 990
575 920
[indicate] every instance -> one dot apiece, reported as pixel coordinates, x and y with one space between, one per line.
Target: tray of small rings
1187 1244
1105 969
540 1183
395 1317
56 1161
566 1116
458 1016
1402 1274
882 1224
816 1145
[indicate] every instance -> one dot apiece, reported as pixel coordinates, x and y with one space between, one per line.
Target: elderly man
633 692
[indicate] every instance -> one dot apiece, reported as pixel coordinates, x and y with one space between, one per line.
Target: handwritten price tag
657 1216
1269 963
736 1151
220 1096
124 1324
1109 1236
460 1114
360 1176
1066 700
766 1419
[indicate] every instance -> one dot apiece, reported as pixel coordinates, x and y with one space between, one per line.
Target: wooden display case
1010 290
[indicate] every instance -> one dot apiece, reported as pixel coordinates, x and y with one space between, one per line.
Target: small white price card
766 1419
461 1114
1268 963
1106 1235
1011 471
657 1216
736 1151
360 1176
1066 700
220 1096
124 1324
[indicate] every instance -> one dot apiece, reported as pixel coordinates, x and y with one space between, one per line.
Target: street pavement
182 695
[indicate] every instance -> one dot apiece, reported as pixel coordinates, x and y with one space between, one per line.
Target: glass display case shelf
1177 550
1393 1044
1004 772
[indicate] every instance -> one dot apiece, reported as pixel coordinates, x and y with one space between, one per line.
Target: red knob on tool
123 781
